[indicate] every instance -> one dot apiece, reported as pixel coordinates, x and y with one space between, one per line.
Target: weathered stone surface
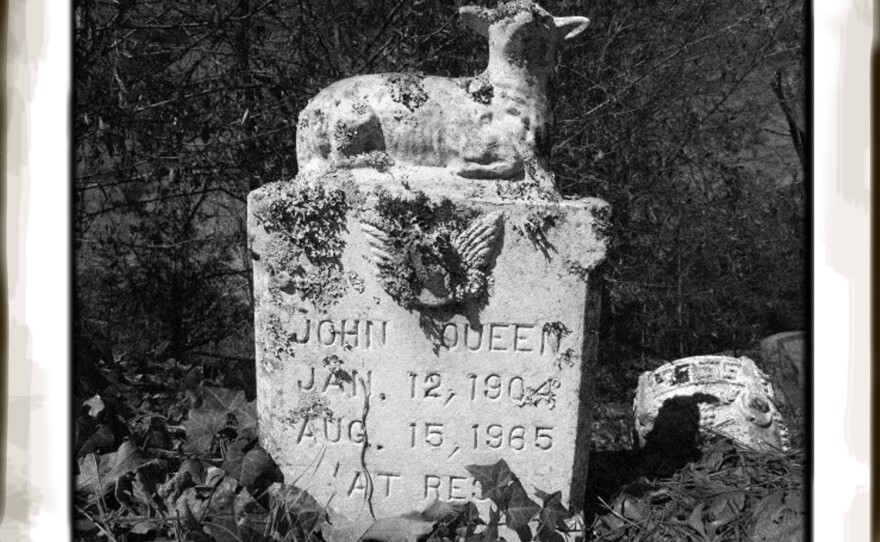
729 396
783 359
377 382
492 126
423 296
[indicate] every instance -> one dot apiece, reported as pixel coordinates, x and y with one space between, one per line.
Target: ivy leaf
98 474
493 480
222 399
294 508
524 533
501 485
201 427
437 511
101 439
248 466
212 416
490 533
246 415
148 479
552 516
235 456
520 509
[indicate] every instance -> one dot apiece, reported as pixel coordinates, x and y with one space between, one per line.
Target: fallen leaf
250 466
632 508
101 439
246 505
98 474
246 415
292 506
695 520
201 427
765 513
213 416
222 399
95 404
724 508
223 530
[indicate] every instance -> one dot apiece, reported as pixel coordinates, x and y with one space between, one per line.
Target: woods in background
687 116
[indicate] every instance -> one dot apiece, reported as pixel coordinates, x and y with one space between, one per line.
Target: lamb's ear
569 27
475 18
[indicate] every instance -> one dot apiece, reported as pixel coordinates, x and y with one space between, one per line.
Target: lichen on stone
539 222
511 9
310 217
580 270
305 222
312 406
528 189
407 89
356 282
479 88
420 248
602 223
567 358
557 329
277 346
321 285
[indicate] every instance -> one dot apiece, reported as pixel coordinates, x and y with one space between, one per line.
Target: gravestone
419 311
717 395
783 359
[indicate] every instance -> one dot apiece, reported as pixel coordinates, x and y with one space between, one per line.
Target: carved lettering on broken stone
731 395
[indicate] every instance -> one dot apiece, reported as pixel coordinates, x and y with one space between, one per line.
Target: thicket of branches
687 116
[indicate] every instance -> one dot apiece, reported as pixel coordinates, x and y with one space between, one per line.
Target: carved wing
378 241
476 242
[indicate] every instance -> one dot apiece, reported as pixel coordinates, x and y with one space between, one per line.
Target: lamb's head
522 31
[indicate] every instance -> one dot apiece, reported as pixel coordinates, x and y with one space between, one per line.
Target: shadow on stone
671 444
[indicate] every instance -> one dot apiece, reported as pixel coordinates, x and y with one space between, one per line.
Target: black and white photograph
411 270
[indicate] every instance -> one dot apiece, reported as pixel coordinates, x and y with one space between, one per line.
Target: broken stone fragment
782 357
705 395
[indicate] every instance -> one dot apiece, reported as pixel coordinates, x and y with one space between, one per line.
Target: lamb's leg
502 169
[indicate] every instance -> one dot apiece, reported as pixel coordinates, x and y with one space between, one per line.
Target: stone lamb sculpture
492 126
